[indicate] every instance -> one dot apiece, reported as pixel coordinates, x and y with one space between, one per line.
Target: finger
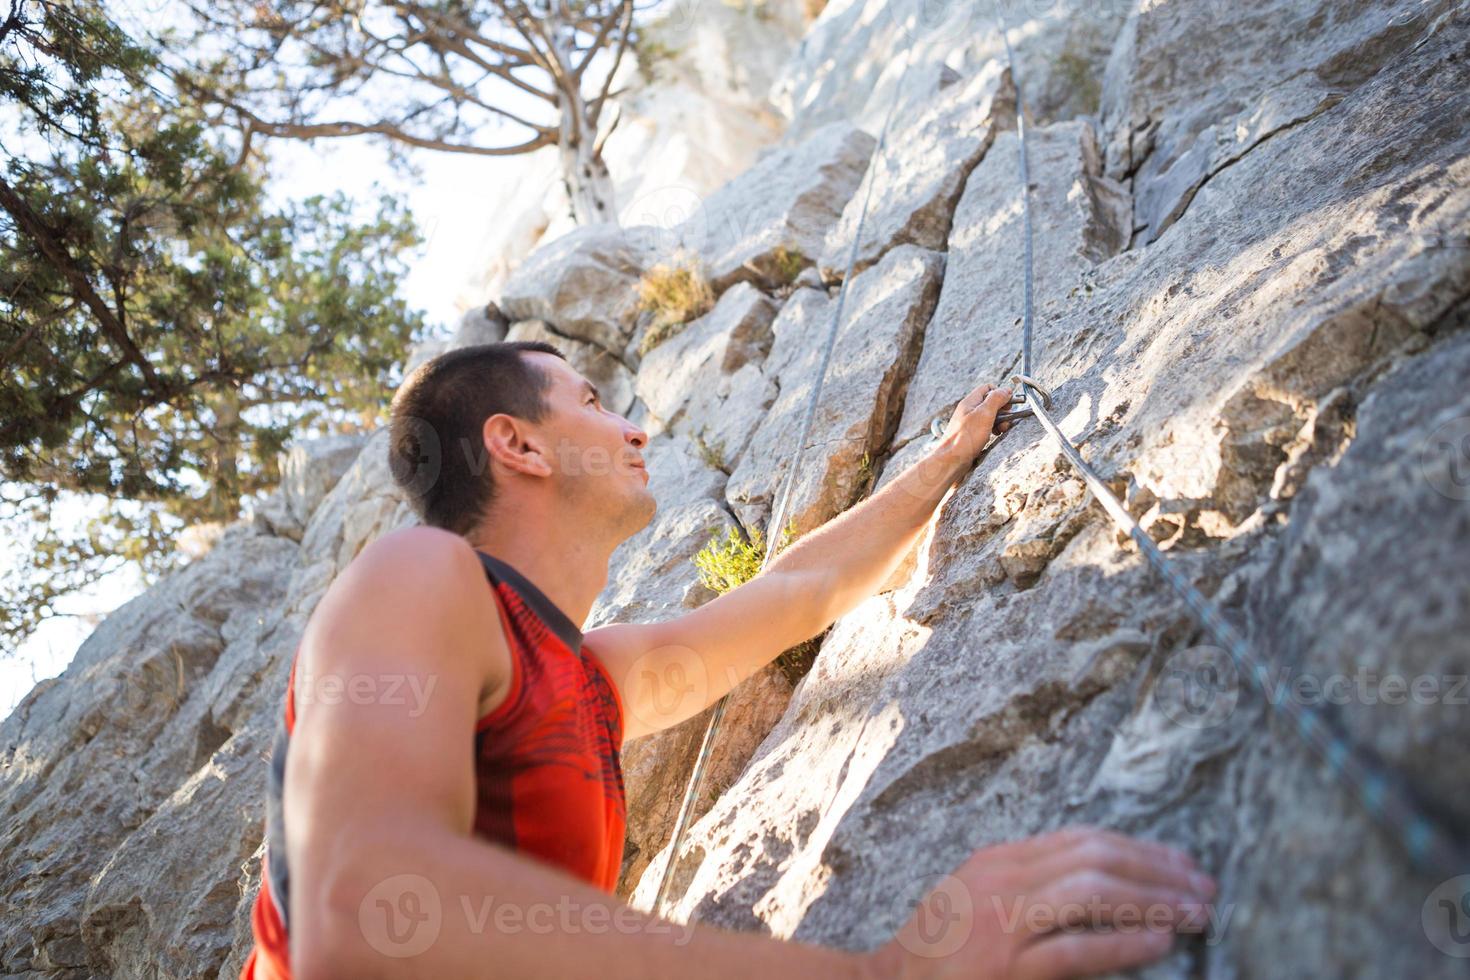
1083 954
983 415
973 398
1085 899
1124 857
978 397
1030 849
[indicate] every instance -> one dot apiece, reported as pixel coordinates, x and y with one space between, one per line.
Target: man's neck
567 567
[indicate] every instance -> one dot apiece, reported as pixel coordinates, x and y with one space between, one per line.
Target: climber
474 827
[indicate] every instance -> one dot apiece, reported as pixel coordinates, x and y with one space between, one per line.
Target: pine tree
164 328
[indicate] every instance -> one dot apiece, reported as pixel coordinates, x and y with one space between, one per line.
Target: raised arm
668 672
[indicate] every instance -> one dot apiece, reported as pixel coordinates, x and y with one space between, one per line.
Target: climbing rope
1388 799
783 500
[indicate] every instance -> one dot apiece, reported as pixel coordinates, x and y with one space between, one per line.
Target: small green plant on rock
675 293
786 264
729 564
712 454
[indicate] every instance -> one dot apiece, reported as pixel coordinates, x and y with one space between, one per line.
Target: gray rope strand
774 526
1027 315
1429 845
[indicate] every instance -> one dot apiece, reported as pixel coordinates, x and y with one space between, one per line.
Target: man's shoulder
420 552
418 591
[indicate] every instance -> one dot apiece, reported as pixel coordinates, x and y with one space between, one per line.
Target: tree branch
595 109
31 224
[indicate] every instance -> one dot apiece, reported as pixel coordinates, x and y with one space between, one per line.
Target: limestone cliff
1253 275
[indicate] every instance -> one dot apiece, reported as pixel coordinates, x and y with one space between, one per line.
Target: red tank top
548 777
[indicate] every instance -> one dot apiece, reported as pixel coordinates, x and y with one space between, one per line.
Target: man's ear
511 444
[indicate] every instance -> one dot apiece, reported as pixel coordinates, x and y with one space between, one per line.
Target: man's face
596 453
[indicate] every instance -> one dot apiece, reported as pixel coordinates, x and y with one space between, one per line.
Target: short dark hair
437 416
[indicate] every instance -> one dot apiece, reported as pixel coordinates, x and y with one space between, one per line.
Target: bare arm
668 672
845 561
387 877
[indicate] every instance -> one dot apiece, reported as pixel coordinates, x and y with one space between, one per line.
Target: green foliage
713 455
735 561
164 331
786 264
728 564
675 293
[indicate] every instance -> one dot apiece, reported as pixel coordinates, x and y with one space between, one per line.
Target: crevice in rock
1187 198
208 741
1002 119
989 742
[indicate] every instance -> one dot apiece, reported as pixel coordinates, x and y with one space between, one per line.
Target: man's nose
635 435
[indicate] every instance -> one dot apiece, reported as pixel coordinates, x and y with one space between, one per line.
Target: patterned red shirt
548 777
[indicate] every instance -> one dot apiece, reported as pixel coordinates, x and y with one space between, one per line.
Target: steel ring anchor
1019 409
1025 382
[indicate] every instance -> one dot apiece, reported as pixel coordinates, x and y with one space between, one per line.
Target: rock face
137 735
909 198
1253 283
788 201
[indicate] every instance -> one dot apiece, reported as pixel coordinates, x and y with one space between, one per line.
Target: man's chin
650 507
